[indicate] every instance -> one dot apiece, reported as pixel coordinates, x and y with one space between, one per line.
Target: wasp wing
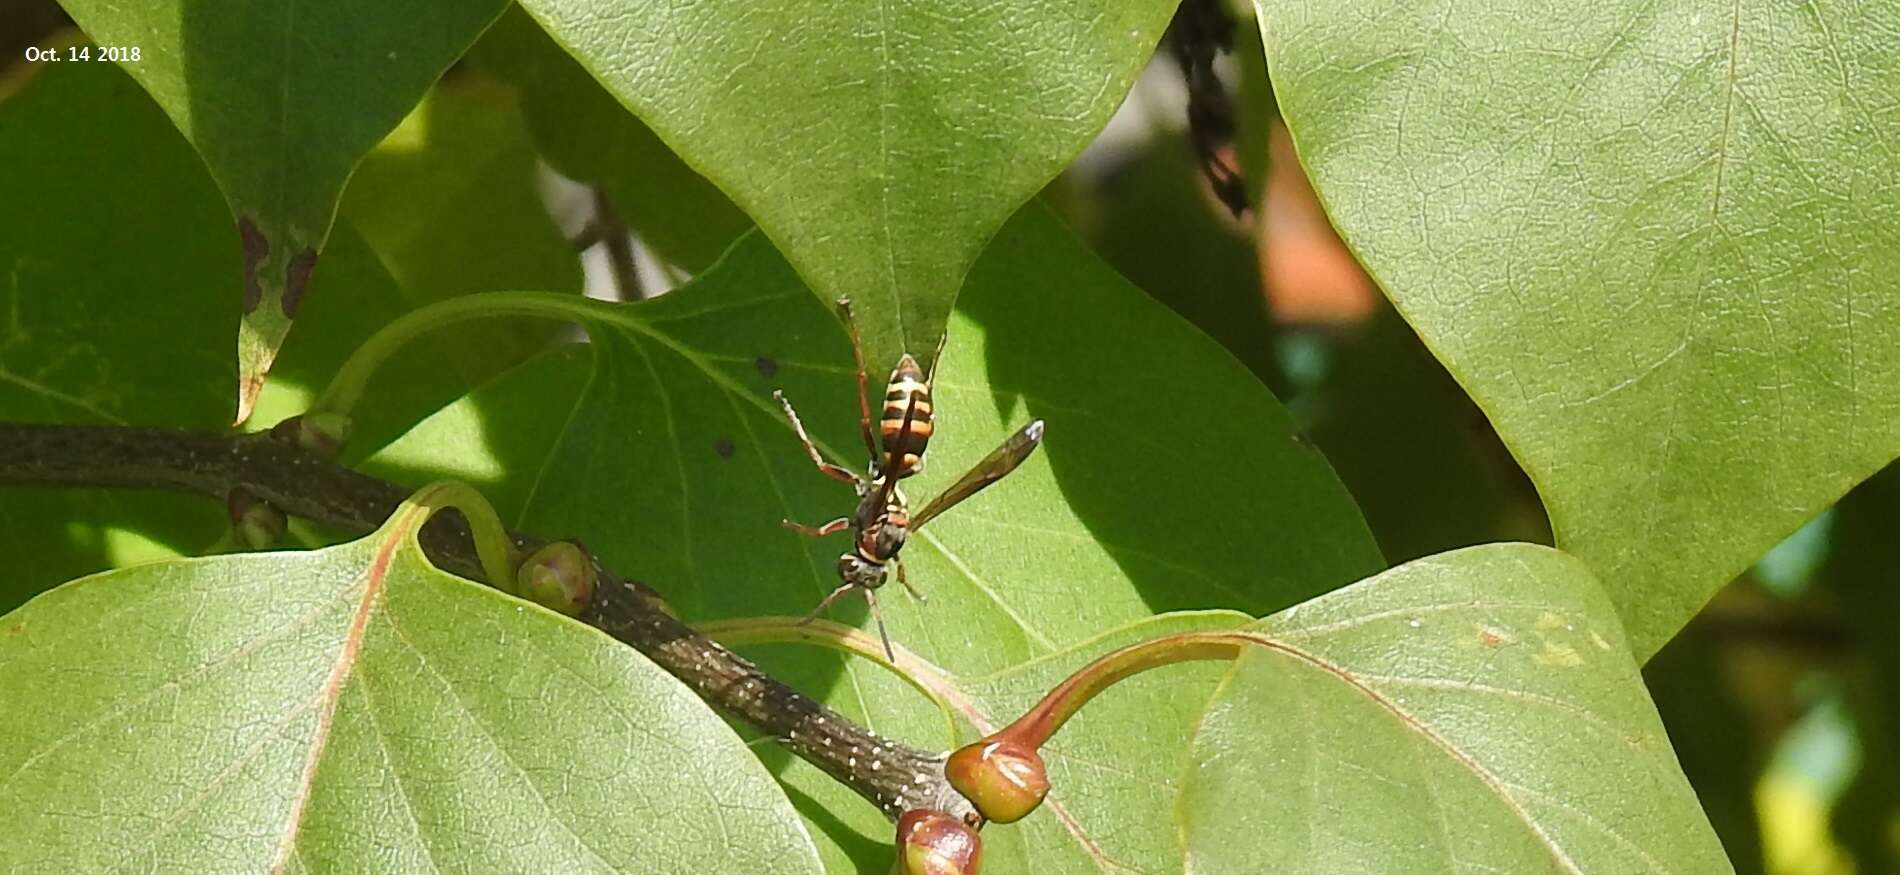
992 468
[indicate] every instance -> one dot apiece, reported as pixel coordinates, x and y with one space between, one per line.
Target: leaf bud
256 524
1004 779
935 843
559 576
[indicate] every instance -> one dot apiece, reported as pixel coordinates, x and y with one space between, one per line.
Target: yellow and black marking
904 426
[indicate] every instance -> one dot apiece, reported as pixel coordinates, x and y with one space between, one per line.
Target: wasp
883 521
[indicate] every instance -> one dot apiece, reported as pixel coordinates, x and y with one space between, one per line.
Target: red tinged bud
559 577
1005 780
934 843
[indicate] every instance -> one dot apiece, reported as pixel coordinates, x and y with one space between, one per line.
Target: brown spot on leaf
724 447
296 276
767 367
256 249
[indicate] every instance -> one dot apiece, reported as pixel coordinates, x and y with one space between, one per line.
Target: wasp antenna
870 596
864 380
936 358
1033 431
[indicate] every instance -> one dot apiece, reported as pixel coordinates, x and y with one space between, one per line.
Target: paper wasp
883 521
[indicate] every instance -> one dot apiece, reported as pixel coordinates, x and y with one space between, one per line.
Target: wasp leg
906 582
841 590
830 528
864 385
870 596
829 470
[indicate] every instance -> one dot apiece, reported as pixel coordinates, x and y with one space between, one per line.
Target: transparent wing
992 468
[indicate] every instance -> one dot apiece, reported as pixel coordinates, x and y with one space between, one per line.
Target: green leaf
659 445
1475 711
448 204
132 337
353 709
879 146
281 100
584 133
671 449
359 297
1658 243
105 320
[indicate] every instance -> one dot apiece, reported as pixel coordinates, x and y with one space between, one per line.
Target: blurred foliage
1701 714
1151 217
1862 573
1418 455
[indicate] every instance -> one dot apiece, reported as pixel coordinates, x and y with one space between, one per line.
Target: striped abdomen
907 393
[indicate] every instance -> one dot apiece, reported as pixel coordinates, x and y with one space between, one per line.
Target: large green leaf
880 145
353 709
659 445
282 99
1476 711
1658 242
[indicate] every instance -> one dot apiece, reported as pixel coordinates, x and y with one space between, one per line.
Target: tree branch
893 776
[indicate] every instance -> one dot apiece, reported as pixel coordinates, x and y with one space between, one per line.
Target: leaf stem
1005 777
347 387
492 546
1041 722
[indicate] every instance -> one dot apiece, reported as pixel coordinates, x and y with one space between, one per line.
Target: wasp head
860 572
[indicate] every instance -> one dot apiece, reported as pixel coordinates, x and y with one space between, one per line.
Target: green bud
559 576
